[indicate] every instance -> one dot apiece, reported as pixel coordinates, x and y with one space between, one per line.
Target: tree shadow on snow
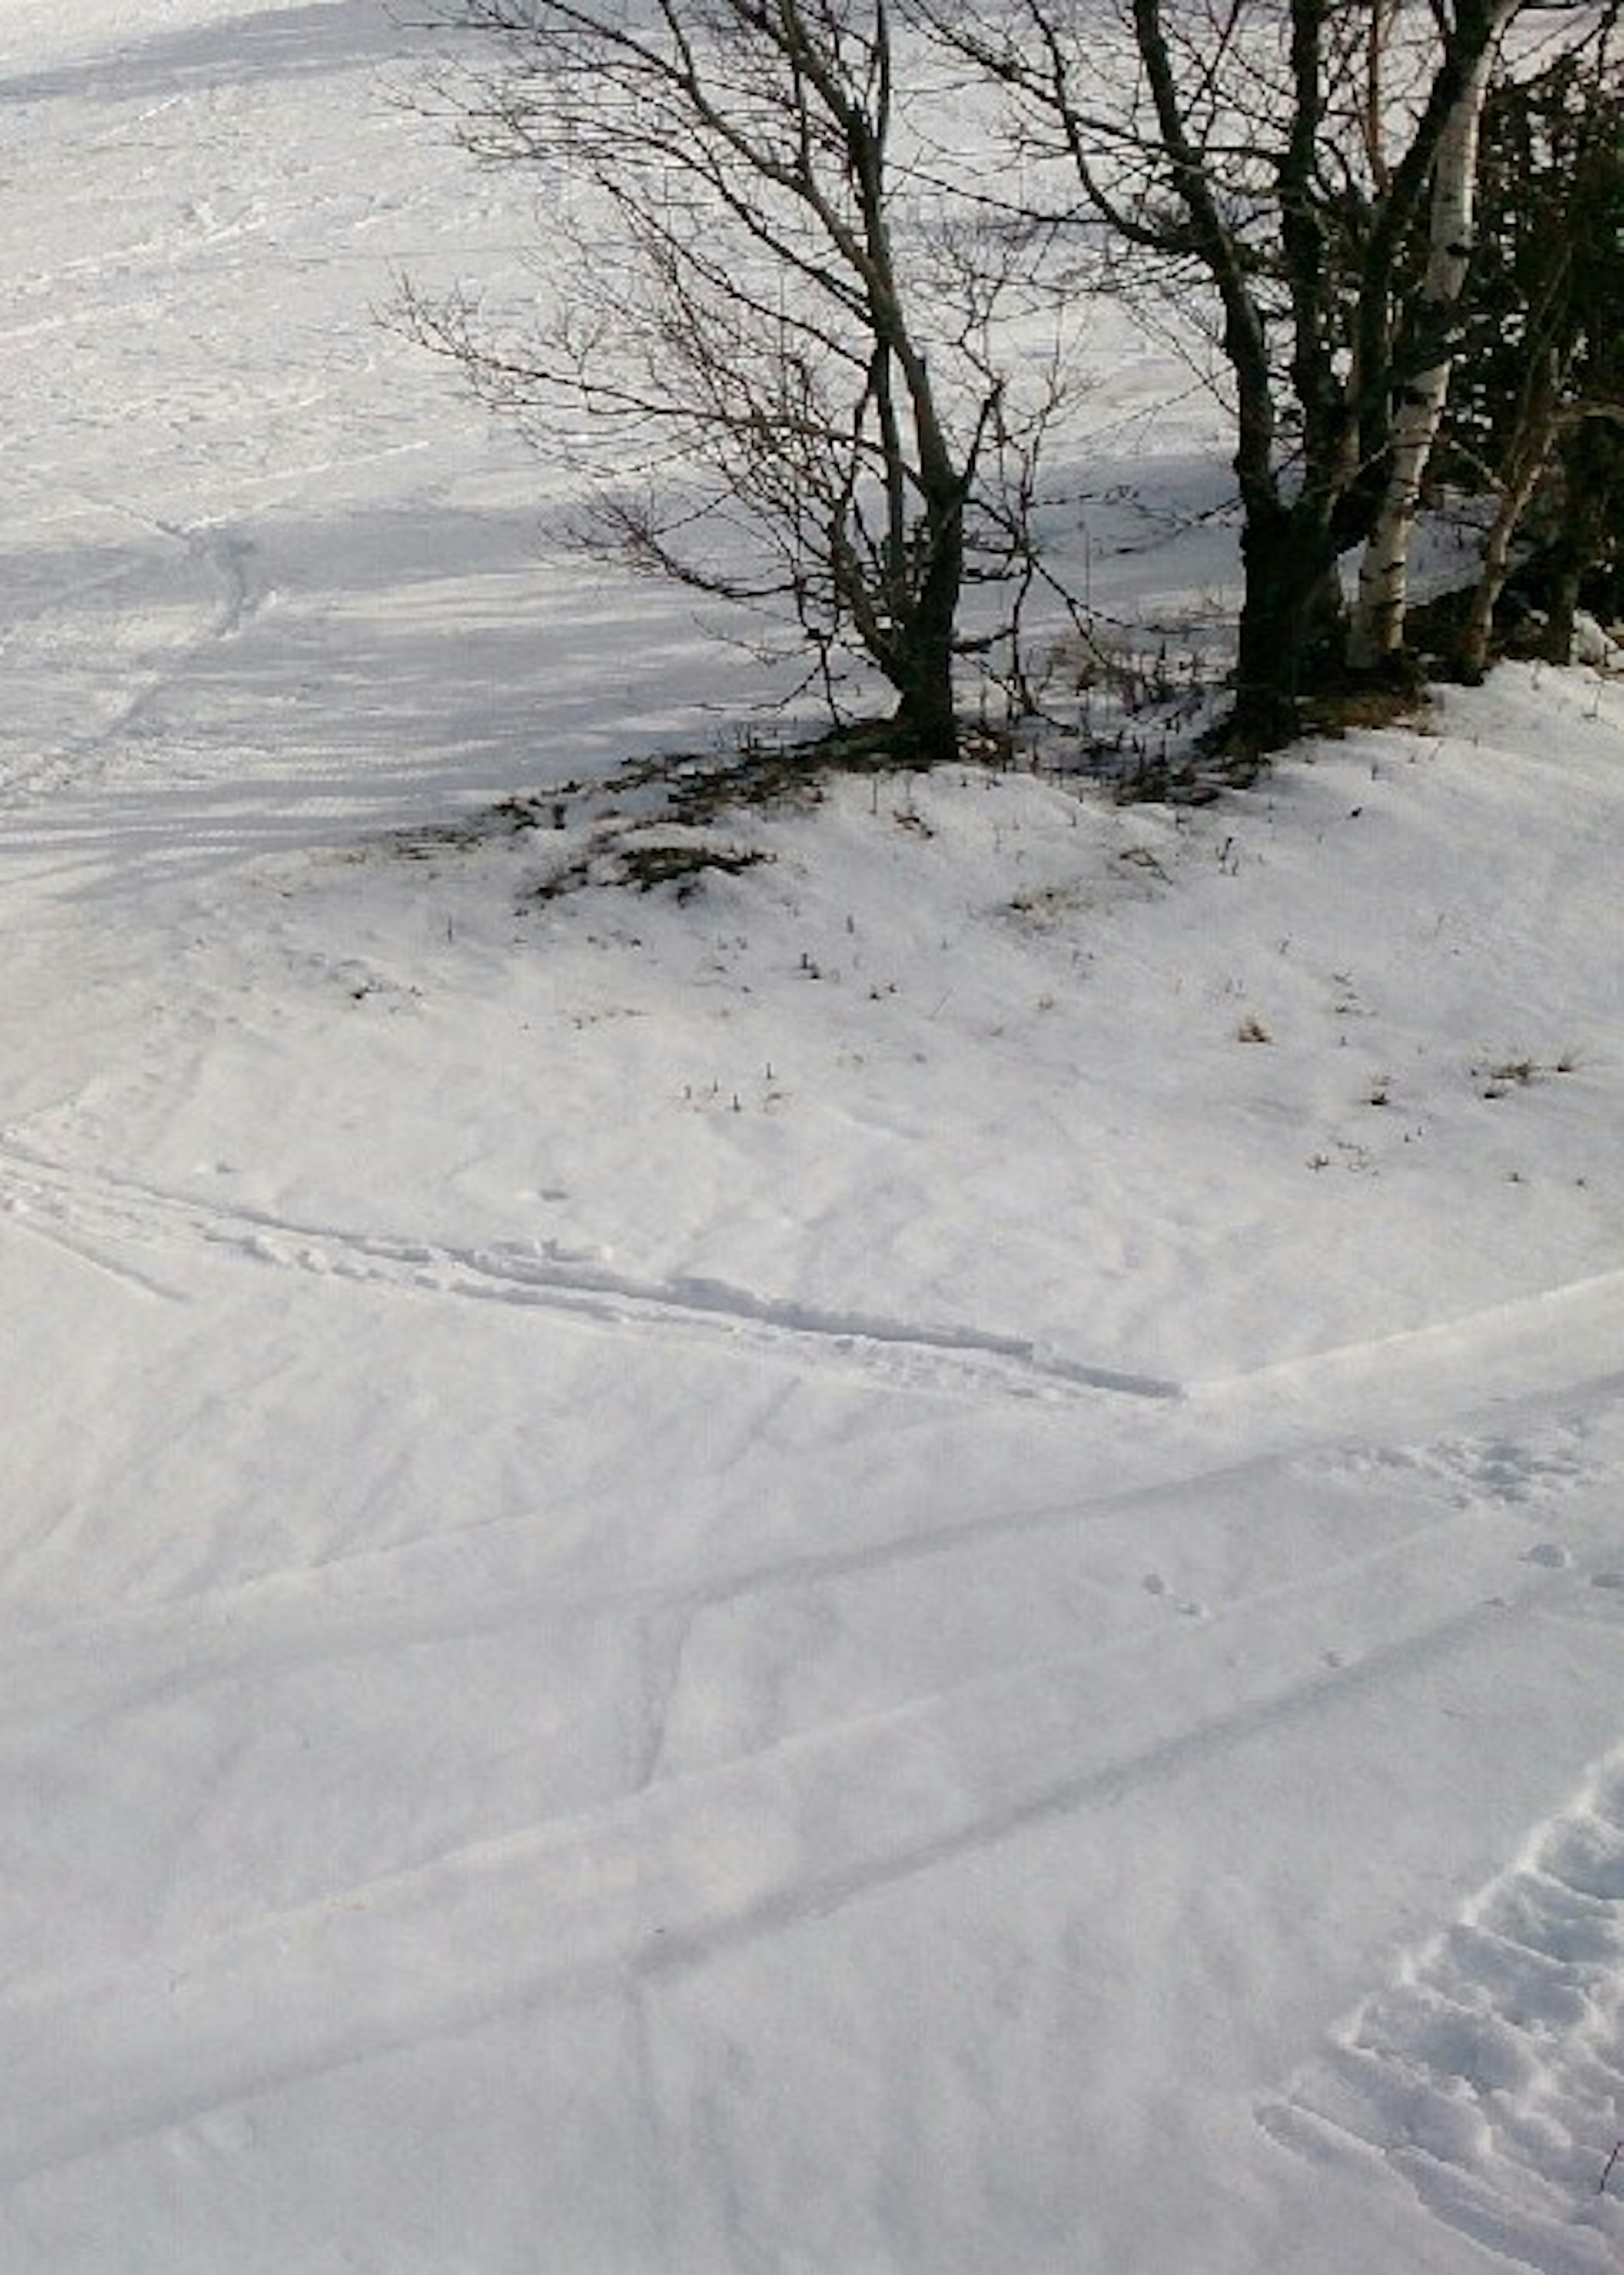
290 683
272 43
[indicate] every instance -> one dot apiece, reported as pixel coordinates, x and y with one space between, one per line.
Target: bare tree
1304 170
1538 421
766 325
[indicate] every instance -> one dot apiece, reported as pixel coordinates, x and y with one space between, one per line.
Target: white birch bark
1377 628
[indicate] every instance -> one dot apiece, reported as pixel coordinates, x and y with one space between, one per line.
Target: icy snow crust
917 1564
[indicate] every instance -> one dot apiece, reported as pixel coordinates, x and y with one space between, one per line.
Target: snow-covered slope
913 1562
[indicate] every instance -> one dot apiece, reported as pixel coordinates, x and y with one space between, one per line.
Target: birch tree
1377 633
1302 171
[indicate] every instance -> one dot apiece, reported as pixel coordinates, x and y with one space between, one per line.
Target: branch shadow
337 679
272 43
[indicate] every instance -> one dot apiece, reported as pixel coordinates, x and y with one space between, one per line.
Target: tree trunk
1529 456
924 723
1378 629
921 662
1290 628
1593 480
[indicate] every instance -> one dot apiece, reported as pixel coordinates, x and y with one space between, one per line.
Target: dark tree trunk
1593 472
920 668
925 722
1291 628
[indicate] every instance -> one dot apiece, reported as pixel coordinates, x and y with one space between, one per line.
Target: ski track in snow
685 1863
229 592
1490 2075
100 1219
83 1672
783 1723
689 1867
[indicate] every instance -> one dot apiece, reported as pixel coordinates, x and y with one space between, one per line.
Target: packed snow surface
908 1556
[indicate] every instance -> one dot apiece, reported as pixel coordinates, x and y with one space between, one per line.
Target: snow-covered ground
915 1562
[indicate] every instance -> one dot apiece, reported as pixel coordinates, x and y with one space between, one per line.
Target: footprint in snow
1486 2073
1493 1471
1153 1584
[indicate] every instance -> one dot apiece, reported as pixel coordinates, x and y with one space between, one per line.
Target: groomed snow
909 1565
